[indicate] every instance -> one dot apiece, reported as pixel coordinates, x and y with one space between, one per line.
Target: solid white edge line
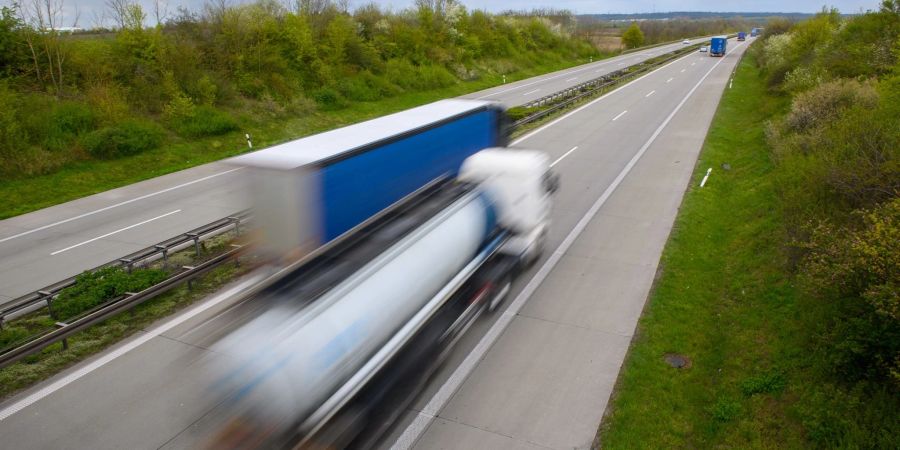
571 79
530 92
114 232
563 156
424 417
152 194
127 347
620 115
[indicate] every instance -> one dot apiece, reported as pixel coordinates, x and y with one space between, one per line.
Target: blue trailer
319 187
742 36
717 46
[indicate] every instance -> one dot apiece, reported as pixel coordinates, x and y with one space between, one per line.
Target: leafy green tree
633 37
11 42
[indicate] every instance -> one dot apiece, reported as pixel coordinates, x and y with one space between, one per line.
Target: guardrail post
196 238
48 296
237 259
165 253
127 263
237 224
65 341
190 281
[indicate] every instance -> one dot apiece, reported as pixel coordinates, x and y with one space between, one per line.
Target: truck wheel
537 251
499 293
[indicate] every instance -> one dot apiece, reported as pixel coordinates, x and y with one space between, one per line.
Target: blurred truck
742 36
409 229
349 174
380 305
755 32
717 46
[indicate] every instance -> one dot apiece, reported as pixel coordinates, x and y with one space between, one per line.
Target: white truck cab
521 185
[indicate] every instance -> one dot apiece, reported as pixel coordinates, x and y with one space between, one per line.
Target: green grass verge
724 299
19 196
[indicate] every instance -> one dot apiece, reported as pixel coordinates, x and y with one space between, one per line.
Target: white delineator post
708 171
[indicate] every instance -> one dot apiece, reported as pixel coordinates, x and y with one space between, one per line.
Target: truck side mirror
551 182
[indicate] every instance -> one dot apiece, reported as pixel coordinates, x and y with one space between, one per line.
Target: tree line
107 93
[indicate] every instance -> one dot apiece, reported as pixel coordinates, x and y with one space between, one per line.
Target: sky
90 10
636 6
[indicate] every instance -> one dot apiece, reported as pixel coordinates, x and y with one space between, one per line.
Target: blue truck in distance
742 35
361 169
717 46
755 32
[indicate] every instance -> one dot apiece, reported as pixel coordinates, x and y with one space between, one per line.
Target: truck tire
499 293
537 251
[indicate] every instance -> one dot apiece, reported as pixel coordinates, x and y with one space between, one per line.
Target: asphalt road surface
43 247
537 374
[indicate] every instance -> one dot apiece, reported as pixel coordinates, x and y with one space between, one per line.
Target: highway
49 245
537 374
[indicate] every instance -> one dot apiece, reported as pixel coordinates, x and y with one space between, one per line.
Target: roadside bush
433 77
838 150
852 278
863 415
204 121
127 138
329 98
408 76
93 289
12 135
367 87
11 335
108 101
67 121
775 58
72 118
827 101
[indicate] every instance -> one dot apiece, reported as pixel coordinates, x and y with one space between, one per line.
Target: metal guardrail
43 298
111 308
142 257
566 97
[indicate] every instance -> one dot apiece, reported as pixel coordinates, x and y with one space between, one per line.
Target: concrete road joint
573 325
463 424
424 418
